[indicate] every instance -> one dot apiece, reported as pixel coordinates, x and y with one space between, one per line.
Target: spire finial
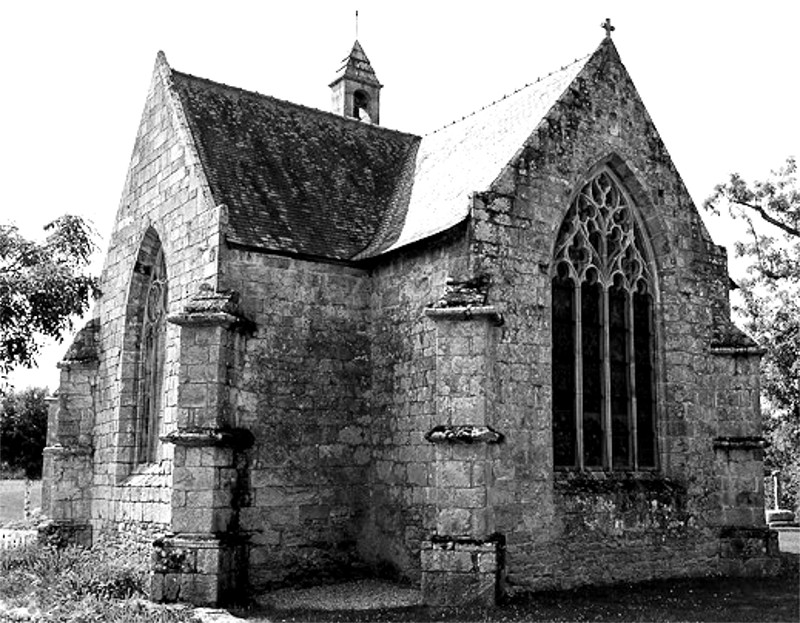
356 24
608 28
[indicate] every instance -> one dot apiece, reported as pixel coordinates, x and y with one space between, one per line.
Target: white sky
720 80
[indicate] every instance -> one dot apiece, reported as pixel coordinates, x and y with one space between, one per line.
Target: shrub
78 584
23 431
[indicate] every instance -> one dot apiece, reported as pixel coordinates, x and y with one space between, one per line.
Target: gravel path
358 595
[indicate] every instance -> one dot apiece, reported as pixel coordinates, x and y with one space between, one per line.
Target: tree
23 431
770 303
43 286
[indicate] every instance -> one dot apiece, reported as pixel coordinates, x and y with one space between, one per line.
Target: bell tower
355 93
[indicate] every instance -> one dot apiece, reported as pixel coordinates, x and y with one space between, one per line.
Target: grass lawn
12 498
102 585
709 599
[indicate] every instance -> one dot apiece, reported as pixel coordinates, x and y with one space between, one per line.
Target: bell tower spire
355 92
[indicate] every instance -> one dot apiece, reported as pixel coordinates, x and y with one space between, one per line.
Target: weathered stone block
454 521
453 474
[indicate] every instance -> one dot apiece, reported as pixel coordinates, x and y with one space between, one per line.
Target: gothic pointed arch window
150 377
144 355
602 335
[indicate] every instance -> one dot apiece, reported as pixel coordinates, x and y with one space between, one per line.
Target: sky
720 80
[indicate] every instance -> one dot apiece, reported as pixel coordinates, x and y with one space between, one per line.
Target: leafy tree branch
770 301
43 286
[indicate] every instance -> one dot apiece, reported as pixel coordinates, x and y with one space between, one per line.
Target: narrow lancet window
602 362
564 444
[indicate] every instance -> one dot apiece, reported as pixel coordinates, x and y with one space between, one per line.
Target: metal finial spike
608 28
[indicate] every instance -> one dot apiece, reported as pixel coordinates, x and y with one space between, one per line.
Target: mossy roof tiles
294 179
307 182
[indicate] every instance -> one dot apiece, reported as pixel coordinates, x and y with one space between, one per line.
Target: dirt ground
707 599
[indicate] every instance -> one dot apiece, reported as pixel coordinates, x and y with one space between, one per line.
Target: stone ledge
239 438
212 319
59 450
737 351
78 364
211 308
464 434
486 312
573 482
739 443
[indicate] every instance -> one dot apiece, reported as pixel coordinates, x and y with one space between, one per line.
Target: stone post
200 559
776 489
462 560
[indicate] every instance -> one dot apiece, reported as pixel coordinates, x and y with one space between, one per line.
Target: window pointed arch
603 402
143 357
152 349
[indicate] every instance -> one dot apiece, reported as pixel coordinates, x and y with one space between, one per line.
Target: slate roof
294 179
86 344
468 155
357 67
307 182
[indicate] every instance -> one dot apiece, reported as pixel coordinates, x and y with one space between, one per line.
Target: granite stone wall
402 510
304 393
566 529
165 198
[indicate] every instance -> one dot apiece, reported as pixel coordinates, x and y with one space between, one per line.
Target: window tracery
602 355
151 360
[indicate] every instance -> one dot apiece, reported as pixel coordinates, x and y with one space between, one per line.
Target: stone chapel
496 358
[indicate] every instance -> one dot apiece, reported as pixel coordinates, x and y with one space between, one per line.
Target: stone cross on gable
607 27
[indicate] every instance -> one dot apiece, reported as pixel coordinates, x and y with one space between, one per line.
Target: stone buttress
68 456
200 559
461 562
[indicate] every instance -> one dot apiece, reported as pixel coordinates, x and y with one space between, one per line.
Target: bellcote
355 93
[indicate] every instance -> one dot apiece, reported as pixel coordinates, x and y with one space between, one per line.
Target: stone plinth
739 463
748 551
198 569
60 533
461 572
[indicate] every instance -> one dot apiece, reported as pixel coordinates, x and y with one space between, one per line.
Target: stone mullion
578 327
633 434
651 343
651 338
606 358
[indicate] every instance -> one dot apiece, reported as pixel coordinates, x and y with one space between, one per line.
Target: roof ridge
295 105
506 96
